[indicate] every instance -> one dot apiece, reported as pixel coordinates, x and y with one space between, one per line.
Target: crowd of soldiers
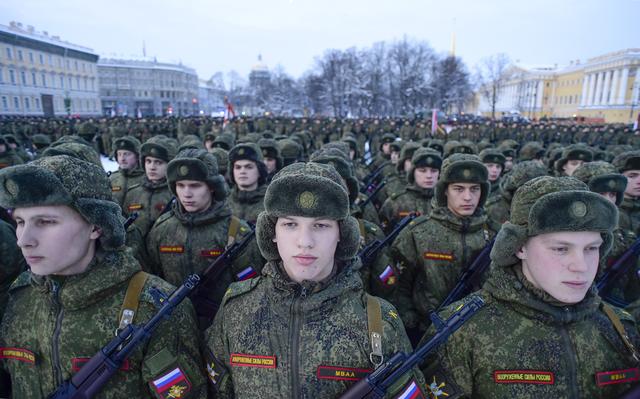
188 188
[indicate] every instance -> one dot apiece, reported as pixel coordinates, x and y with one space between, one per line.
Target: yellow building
604 89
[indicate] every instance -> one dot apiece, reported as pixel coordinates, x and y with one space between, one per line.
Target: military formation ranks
538 223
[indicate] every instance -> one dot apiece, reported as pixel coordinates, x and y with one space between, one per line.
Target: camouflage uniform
246 205
630 207
433 251
511 347
8 157
274 337
11 261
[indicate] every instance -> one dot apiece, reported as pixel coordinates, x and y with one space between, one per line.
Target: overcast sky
221 35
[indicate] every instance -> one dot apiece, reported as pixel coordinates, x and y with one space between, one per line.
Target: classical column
592 87
585 89
539 95
598 96
606 87
622 93
613 99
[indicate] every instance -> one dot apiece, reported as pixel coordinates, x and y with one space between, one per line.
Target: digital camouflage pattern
181 243
630 215
381 277
148 199
524 344
399 205
121 180
247 205
56 323
276 338
11 261
431 253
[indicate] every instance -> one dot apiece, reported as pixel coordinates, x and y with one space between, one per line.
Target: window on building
12 76
83 67
34 82
5 104
37 102
44 79
61 82
70 83
16 103
50 58
41 57
86 86
1 75
53 79
78 82
23 78
27 104
30 57
68 64
59 62
75 64
9 53
20 57
92 84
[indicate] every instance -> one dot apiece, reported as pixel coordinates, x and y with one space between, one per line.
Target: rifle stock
615 272
369 252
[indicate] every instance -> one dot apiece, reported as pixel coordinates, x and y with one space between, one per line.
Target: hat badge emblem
466 173
612 184
307 200
578 209
241 151
183 170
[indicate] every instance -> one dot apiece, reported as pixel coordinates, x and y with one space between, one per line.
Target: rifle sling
620 329
374 322
132 299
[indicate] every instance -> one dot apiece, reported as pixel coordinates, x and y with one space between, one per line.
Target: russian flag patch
173 384
411 391
246 274
388 277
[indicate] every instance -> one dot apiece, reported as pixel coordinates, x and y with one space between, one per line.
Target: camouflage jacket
626 288
279 339
53 325
399 205
381 276
9 158
149 200
121 180
247 205
431 254
498 208
630 215
182 243
11 261
525 344
368 211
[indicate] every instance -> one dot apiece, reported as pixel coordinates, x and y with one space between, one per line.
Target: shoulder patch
240 288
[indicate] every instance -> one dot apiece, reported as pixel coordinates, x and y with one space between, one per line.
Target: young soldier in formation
150 198
301 329
248 174
433 251
418 193
129 173
628 163
69 304
494 161
573 157
543 331
199 225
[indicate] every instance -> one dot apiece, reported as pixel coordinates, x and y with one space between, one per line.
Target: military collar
217 211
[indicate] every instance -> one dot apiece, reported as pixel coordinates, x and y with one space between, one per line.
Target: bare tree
492 75
451 84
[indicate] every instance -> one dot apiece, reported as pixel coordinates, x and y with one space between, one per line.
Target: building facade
147 88
604 89
41 75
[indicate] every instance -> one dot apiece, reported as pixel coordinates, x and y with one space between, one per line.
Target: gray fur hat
421 158
308 190
628 160
553 204
602 177
462 168
339 160
192 164
70 181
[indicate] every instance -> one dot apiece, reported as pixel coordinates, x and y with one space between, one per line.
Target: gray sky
215 35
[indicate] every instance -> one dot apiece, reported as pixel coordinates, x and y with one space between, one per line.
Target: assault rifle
616 271
370 251
132 218
469 276
90 379
376 384
372 195
371 178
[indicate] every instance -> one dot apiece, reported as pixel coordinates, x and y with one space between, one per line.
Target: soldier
248 174
494 160
69 304
271 154
543 331
433 251
628 163
40 143
301 329
150 198
11 262
417 194
7 156
572 157
129 172
396 182
199 225
13 145
498 206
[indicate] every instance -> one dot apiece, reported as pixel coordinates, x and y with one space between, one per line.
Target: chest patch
23 355
438 256
211 253
171 249
617 377
523 377
244 360
173 384
388 277
116 188
341 373
410 391
134 207
246 274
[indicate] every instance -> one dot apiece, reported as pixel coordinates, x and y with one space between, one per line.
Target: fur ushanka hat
198 165
308 190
